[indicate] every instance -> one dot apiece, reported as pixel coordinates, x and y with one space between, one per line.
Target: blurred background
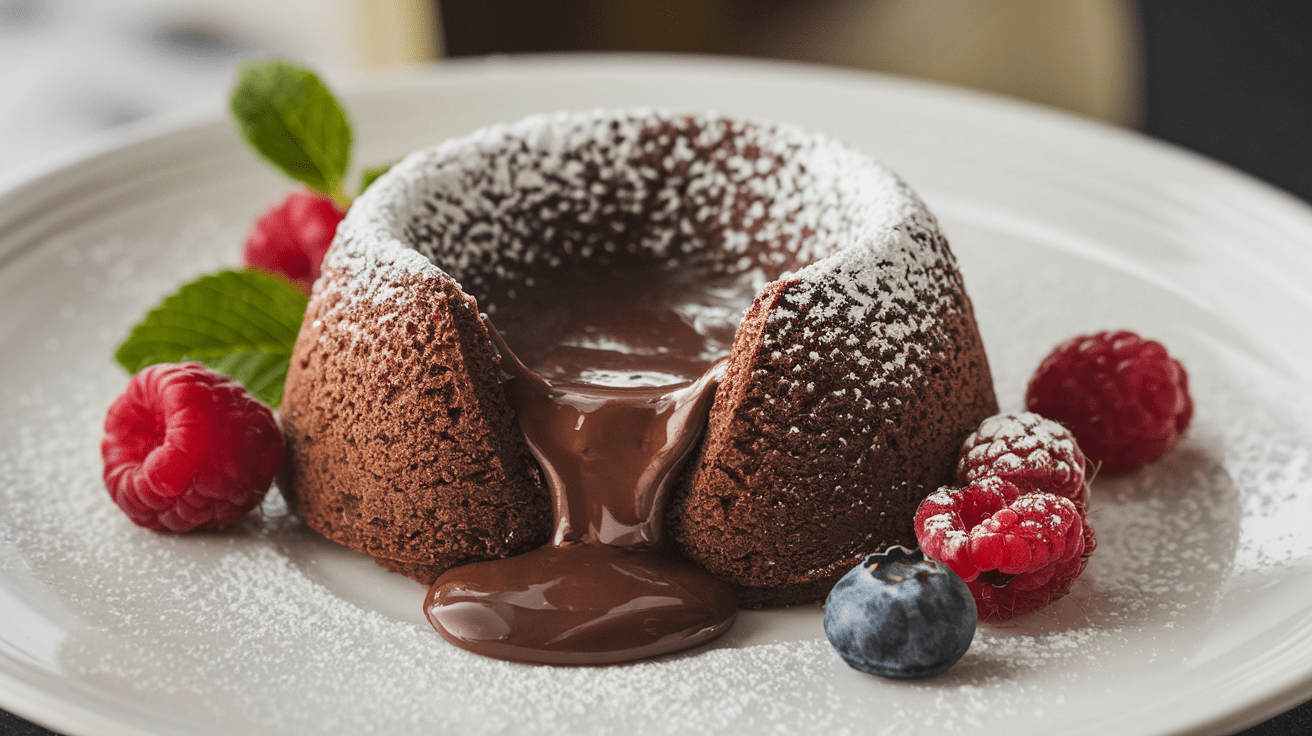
1229 78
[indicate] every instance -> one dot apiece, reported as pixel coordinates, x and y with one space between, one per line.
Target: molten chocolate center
612 377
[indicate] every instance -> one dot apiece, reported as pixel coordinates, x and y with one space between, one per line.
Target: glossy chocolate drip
606 589
608 453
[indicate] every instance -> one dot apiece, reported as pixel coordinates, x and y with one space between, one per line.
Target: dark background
1231 79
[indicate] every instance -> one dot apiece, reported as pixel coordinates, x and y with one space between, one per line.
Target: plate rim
33 181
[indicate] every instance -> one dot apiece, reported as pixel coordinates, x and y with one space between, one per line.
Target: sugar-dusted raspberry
292 236
1001 597
187 448
1016 550
1124 397
1034 453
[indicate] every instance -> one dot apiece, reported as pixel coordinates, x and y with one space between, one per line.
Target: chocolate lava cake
853 378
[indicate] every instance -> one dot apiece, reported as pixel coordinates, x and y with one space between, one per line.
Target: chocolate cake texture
853 378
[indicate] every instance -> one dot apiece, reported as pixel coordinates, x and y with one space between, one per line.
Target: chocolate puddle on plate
611 378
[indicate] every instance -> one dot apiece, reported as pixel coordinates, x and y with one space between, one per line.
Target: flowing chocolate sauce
612 377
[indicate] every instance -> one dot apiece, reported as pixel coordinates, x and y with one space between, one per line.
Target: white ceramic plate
1195 616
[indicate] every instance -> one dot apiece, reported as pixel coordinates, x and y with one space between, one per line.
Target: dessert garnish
900 615
291 237
189 445
291 118
1125 399
1016 530
1017 551
243 323
240 323
1034 453
186 448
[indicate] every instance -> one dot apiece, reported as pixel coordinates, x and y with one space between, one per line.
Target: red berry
999 597
1034 453
292 236
187 448
1017 551
1125 399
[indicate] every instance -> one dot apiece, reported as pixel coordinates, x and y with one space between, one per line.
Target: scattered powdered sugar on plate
238 631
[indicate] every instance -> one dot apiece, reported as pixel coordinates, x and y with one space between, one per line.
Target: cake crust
827 434
401 443
853 379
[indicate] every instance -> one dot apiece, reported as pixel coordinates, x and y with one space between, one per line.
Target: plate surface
1193 617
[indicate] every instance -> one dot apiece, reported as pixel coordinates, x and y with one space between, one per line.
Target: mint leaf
370 175
289 116
240 323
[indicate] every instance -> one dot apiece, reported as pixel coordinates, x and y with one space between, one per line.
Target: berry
1125 399
999 597
899 615
1033 453
187 448
291 238
1017 551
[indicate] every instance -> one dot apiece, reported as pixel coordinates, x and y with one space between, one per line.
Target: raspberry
999 598
1017 551
187 448
292 236
1034 453
1125 399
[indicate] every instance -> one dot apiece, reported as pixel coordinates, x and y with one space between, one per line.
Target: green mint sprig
244 323
240 323
291 118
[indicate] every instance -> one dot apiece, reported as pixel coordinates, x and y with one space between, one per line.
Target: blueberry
900 615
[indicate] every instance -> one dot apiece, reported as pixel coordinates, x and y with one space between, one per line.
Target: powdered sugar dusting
1025 431
196 622
246 631
1035 453
722 195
